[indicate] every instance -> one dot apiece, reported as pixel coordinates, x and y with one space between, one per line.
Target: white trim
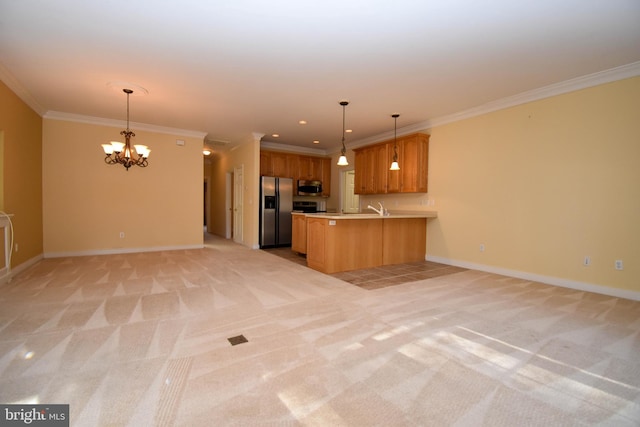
22 93
79 118
291 148
549 280
20 268
121 251
578 83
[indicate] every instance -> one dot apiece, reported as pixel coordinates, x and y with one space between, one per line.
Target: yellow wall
541 185
245 154
87 203
218 173
22 173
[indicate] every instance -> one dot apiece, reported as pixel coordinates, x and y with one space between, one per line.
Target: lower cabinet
335 245
342 245
299 233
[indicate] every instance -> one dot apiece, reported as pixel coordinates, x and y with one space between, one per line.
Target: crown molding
578 83
78 118
292 148
22 93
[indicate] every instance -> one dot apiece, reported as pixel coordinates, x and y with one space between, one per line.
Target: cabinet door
299 234
280 165
371 170
326 177
380 169
414 165
304 167
266 168
315 168
294 168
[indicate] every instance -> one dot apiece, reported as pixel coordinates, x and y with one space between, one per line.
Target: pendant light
394 164
342 161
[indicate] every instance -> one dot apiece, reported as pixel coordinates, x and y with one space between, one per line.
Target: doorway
350 200
238 203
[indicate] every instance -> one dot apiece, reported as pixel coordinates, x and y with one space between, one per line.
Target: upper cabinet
274 163
296 166
310 168
369 164
372 166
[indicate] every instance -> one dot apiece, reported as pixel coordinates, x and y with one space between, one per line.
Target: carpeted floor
143 339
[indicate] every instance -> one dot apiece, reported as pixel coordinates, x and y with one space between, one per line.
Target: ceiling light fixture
119 153
394 164
342 161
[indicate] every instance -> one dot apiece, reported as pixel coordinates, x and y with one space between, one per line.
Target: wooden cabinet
266 168
342 245
372 166
295 166
335 245
310 168
282 165
414 164
299 233
370 163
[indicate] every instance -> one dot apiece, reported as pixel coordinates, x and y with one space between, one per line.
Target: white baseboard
19 268
549 280
121 251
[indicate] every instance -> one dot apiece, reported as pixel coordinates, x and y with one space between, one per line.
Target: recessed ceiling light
275 135
206 152
348 130
315 141
302 122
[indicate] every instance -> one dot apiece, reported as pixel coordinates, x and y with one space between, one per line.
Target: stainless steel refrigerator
276 204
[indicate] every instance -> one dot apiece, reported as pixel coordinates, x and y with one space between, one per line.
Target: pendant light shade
394 163
342 161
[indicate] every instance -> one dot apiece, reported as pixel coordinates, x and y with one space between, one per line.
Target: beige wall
22 174
87 203
541 185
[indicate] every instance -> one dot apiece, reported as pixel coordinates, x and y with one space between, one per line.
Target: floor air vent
237 340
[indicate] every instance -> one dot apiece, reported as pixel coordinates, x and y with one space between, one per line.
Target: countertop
335 215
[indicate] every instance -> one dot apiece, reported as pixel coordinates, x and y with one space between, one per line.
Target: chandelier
342 161
121 153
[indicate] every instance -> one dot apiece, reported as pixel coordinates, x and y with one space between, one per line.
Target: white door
350 200
228 203
238 203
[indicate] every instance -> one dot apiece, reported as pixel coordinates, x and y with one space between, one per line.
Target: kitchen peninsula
343 242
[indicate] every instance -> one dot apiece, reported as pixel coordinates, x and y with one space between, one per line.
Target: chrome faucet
382 211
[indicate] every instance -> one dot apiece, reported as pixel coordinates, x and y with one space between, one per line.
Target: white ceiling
236 67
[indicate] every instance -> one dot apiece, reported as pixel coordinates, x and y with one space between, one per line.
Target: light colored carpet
141 339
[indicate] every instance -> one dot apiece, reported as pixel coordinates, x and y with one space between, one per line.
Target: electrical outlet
481 247
122 234
619 265
15 249
587 261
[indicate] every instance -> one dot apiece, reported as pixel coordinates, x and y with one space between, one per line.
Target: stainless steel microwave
309 188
